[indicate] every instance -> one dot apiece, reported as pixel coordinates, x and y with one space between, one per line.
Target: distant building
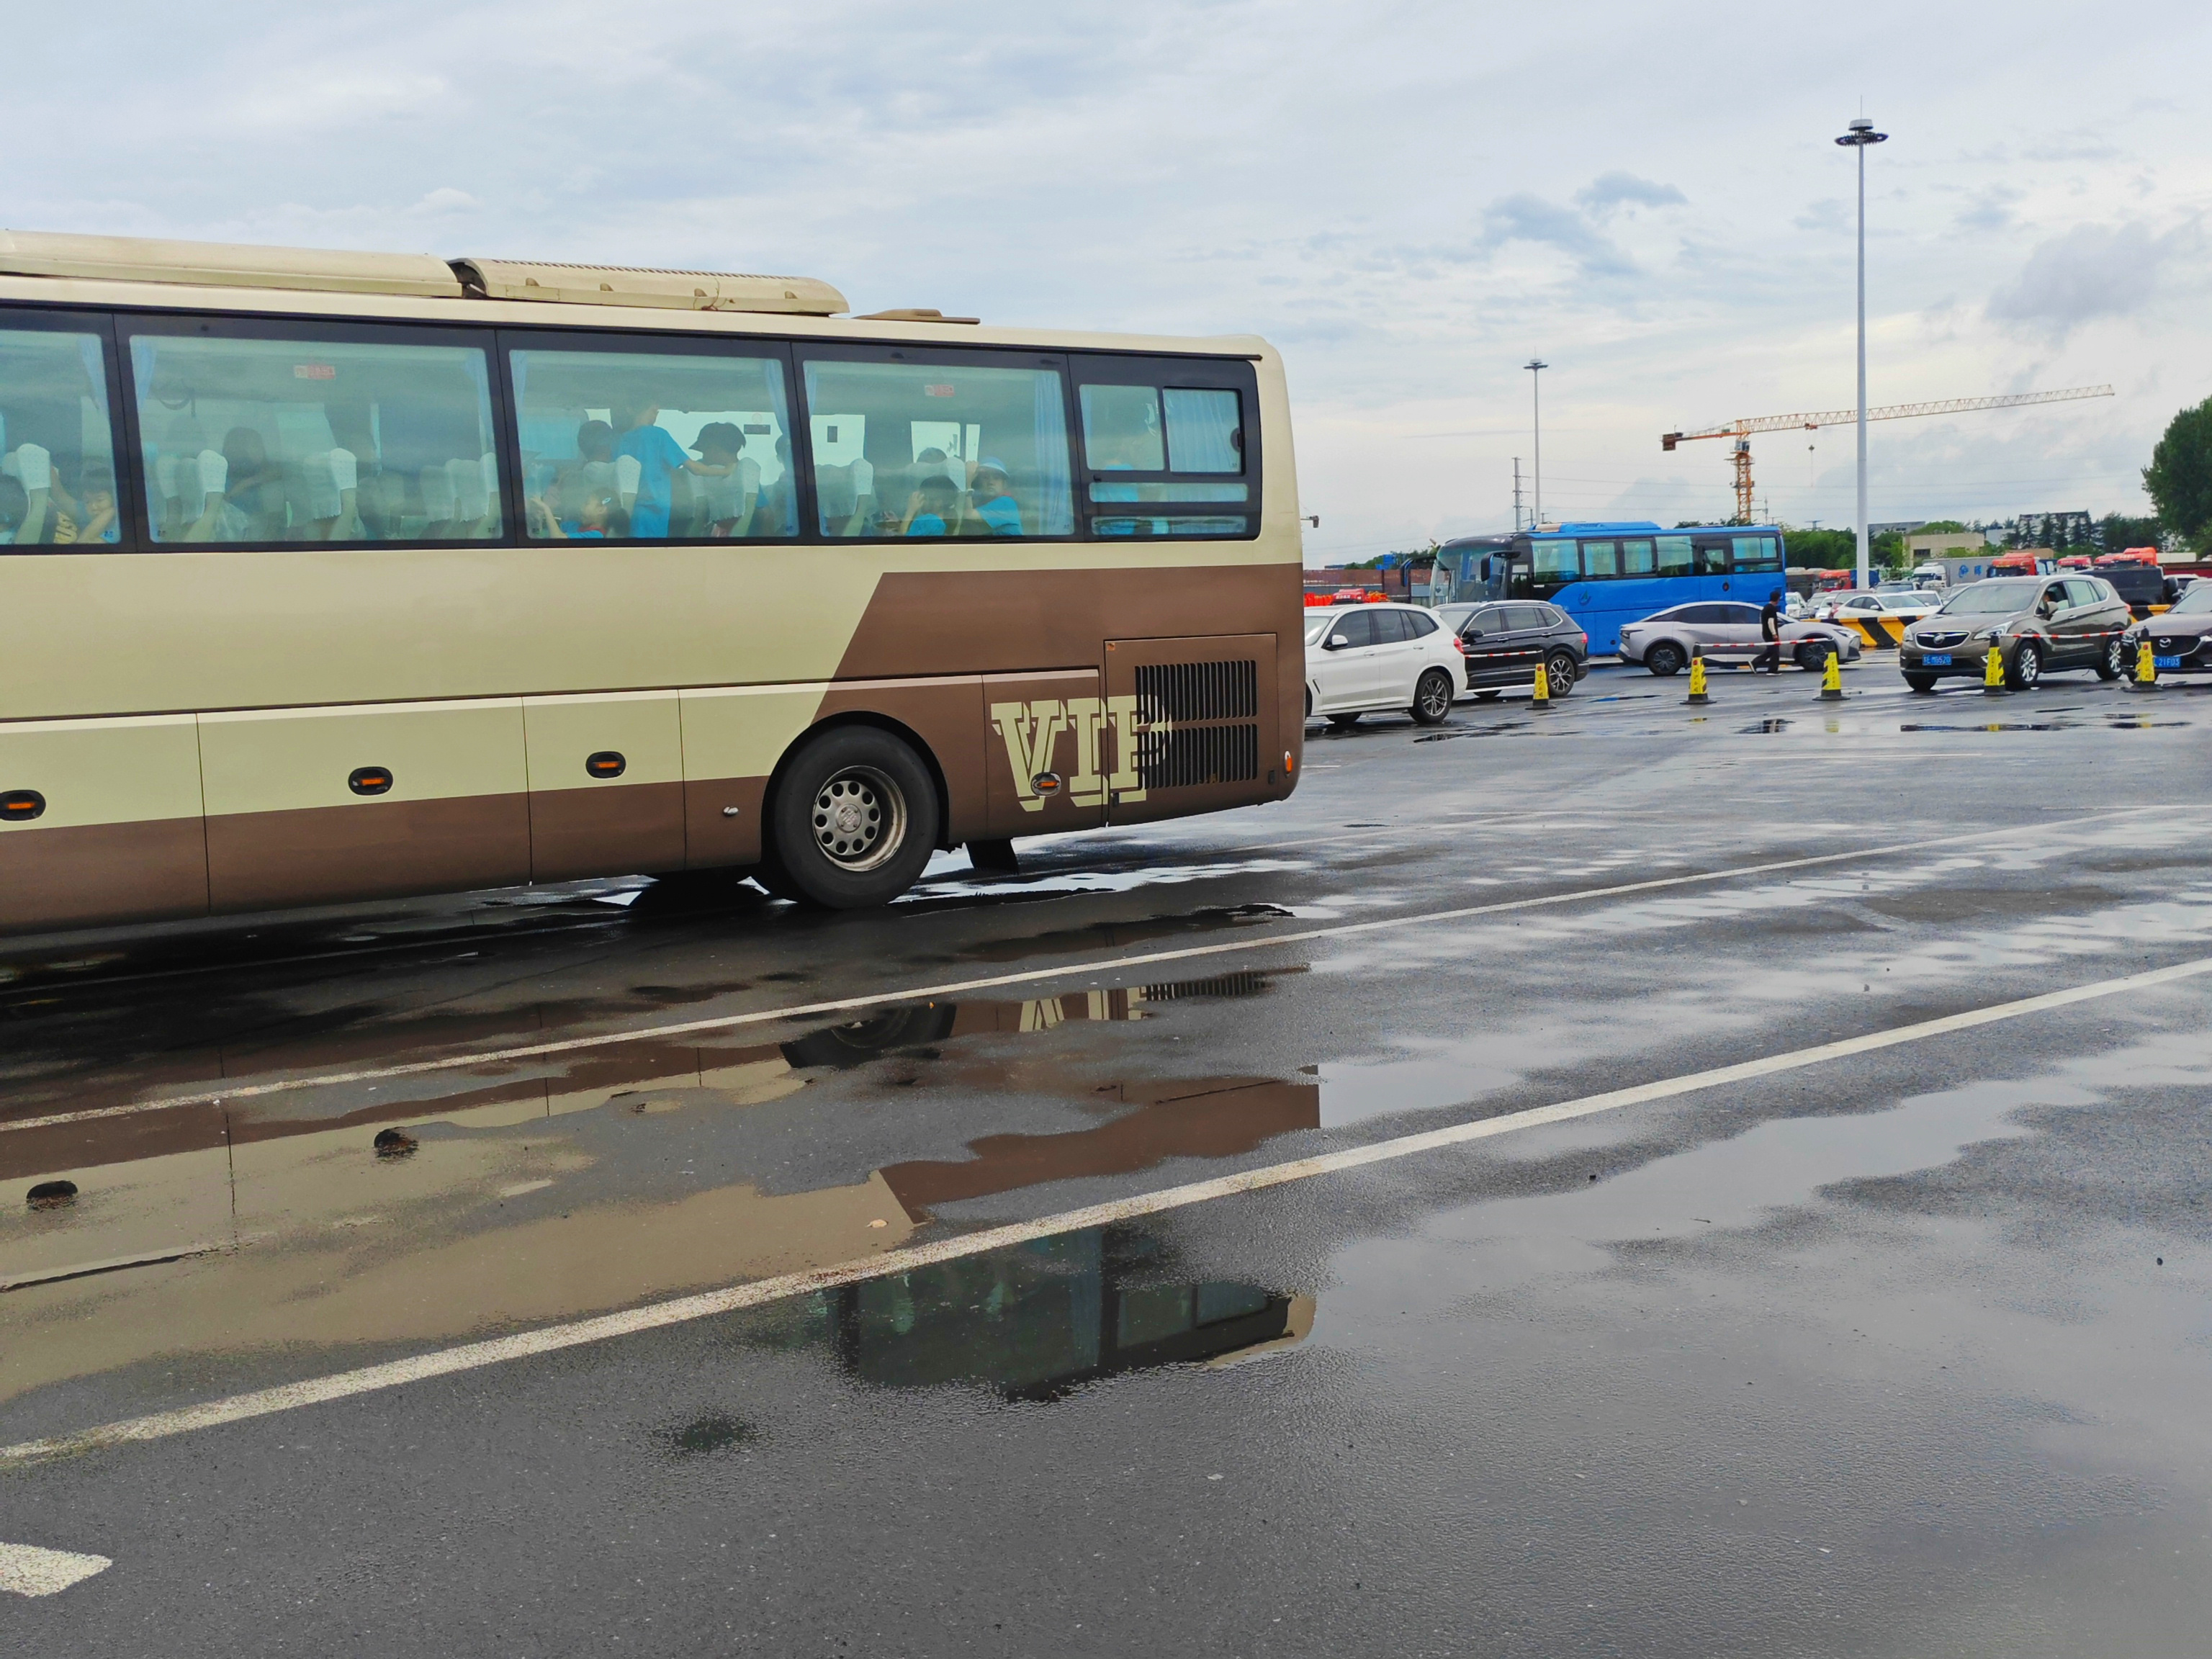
1919 549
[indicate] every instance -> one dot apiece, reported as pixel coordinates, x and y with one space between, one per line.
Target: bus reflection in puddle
1040 1320
226 1230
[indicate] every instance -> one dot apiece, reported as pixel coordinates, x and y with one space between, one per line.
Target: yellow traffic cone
1697 693
1993 681
1832 677
1542 691
2146 669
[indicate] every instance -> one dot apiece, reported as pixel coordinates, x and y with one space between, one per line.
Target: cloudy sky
1409 199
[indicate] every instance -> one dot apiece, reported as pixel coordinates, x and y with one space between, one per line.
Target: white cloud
2095 271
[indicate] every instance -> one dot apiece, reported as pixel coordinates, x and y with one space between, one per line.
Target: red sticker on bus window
937 391
315 372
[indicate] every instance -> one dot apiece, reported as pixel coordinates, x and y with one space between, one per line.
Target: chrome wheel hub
860 818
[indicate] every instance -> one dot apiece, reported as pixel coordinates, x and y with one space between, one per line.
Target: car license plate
2166 662
1936 659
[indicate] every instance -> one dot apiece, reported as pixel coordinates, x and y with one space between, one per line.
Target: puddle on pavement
1032 1322
439 1206
1106 935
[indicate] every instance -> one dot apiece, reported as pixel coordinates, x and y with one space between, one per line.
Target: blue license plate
1936 659
2168 662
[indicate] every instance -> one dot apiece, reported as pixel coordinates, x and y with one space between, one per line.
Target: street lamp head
1534 362
1862 133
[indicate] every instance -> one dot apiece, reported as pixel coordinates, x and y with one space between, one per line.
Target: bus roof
1618 527
223 264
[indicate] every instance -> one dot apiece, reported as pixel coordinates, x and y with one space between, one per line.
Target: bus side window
1712 553
1675 555
658 446
1601 561
56 447
1636 559
279 433
1757 553
1163 459
970 448
1555 562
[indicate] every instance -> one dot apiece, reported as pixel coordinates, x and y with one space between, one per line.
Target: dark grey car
2037 624
1505 640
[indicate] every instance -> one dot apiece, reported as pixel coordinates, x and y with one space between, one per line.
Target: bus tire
1432 698
1665 658
1559 673
853 820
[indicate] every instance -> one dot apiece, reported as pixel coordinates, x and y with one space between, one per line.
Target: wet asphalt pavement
1903 1351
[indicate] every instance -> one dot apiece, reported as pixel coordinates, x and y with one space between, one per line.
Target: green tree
2119 531
1820 550
2180 476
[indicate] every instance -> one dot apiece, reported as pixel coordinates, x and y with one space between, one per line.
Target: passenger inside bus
730 483
932 508
994 503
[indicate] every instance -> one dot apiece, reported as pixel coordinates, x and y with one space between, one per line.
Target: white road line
1028 976
657 1315
26 1570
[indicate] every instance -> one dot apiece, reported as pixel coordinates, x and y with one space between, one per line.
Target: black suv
1506 639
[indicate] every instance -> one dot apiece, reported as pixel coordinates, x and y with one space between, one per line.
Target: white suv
1366 658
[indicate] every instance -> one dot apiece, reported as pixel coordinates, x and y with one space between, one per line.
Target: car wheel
1813 657
1342 722
1921 682
2114 662
2025 672
854 819
1665 658
1432 698
1559 672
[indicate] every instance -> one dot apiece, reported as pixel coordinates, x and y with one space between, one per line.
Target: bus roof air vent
223 264
912 314
623 285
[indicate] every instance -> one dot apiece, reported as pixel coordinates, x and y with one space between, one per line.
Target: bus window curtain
1201 428
1055 502
95 371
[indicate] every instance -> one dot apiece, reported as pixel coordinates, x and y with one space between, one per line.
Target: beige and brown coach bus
330 576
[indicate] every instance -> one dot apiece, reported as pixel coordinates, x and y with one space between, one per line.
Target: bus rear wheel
853 822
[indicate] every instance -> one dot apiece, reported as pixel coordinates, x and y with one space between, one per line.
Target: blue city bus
1605 574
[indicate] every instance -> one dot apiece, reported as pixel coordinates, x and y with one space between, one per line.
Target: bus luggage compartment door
1194 724
331 805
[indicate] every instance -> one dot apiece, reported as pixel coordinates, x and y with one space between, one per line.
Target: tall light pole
1536 367
1860 135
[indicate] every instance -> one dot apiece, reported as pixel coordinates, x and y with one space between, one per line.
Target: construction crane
1742 430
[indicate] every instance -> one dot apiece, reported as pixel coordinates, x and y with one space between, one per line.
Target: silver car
1728 632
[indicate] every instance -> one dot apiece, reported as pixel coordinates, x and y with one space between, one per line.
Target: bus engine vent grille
1181 757
1180 692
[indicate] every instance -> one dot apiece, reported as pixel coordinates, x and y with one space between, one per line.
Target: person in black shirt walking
1770 630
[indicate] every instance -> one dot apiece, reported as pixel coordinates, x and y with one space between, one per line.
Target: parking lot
1622 1178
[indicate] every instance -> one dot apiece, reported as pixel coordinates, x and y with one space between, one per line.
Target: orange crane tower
1741 430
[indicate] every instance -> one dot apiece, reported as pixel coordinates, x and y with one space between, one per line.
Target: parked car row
1376 658
1405 658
